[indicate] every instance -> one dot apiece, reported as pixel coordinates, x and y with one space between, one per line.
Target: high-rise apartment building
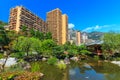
84 37
20 16
74 36
64 28
78 38
57 25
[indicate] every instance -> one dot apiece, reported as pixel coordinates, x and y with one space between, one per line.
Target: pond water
88 70
94 71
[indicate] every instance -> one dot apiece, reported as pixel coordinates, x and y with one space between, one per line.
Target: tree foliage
36 45
47 46
58 50
4 40
23 44
110 44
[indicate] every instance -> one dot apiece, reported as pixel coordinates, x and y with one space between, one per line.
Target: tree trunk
27 53
3 66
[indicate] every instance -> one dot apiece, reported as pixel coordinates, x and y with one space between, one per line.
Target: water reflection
95 71
50 72
91 70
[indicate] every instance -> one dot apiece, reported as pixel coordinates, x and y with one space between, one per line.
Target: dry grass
24 75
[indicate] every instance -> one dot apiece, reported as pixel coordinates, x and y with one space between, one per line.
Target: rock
27 66
44 59
116 62
41 74
74 58
10 62
87 65
66 61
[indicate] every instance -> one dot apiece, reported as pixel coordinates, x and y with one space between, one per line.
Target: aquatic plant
61 65
52 61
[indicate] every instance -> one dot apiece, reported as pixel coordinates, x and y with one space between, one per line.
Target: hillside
95 35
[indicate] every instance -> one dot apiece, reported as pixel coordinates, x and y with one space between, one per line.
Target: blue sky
84 15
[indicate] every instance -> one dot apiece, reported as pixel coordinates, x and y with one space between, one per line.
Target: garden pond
85 70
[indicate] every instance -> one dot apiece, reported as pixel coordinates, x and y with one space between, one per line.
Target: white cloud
88 29
97 27
71 25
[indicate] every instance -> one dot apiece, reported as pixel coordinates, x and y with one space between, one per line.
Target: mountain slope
95 35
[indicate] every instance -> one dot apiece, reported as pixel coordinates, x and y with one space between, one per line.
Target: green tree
32 32
23 31
67 46
58 50
36 45
110 44
48 35
47 47
12 35
70 48
39 35
4 40
73 50
82 50
23 44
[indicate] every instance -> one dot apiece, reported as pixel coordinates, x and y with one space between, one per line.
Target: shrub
35 67
52 61
61 65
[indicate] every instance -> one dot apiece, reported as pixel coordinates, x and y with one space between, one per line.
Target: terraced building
20 16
